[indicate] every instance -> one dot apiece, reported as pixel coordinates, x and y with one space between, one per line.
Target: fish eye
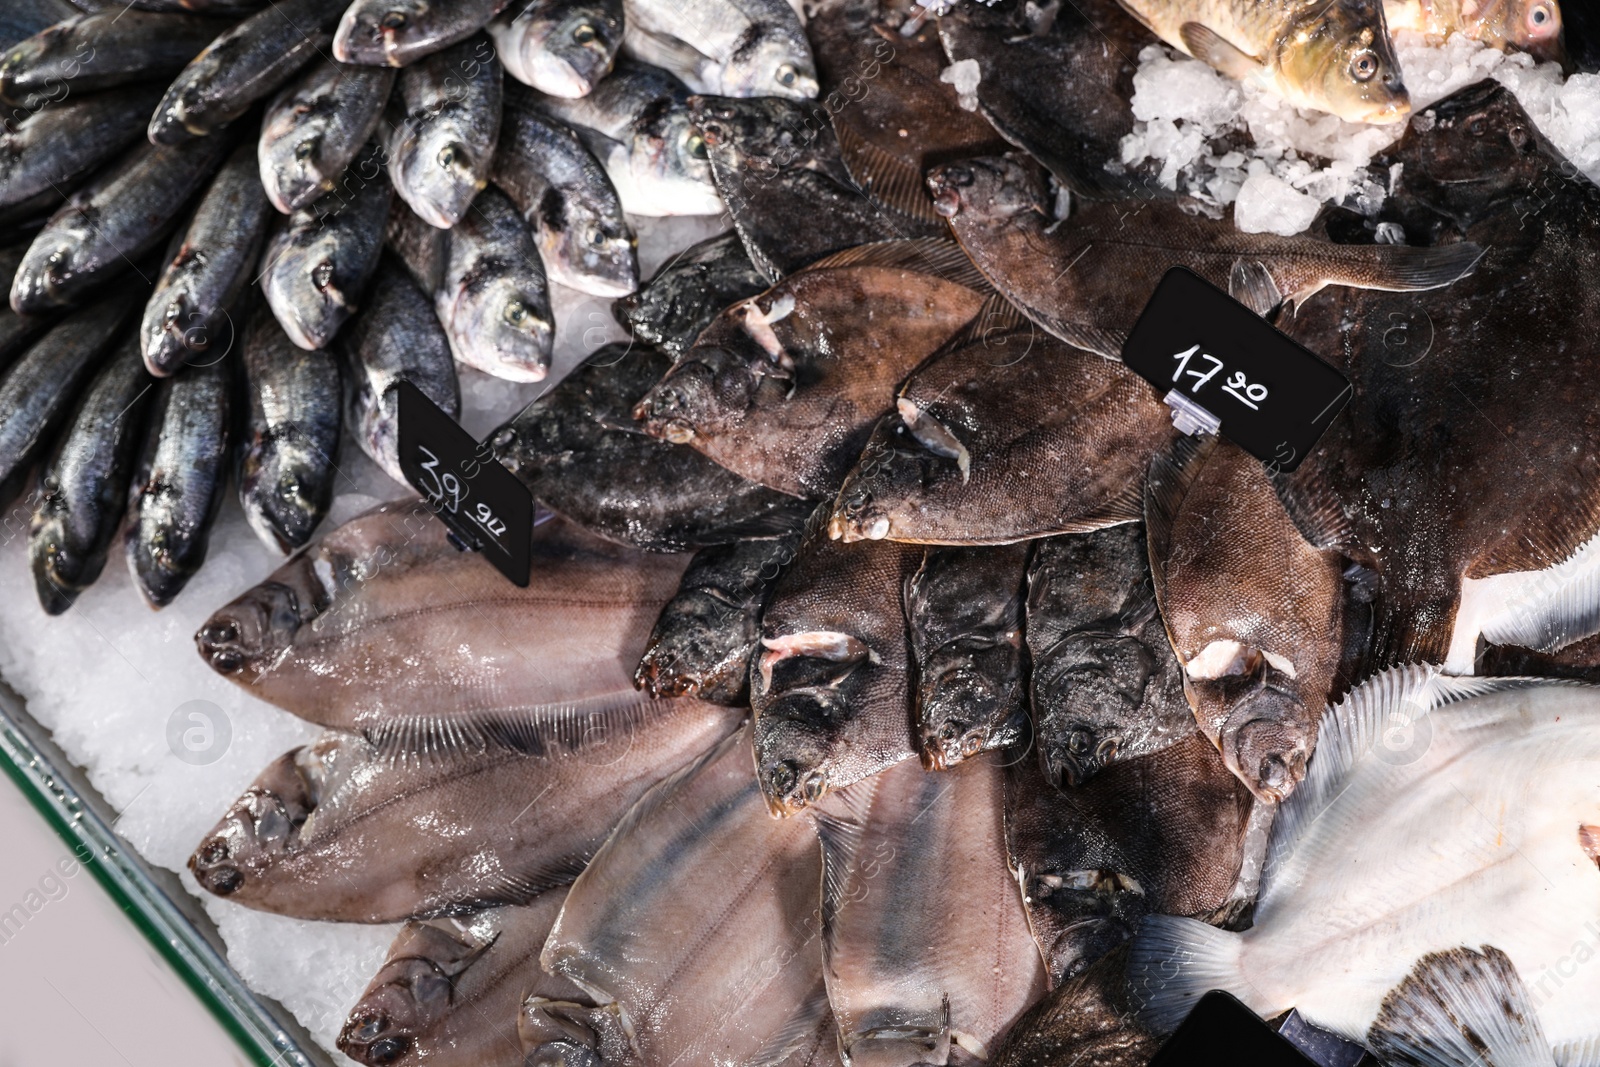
304 150
596 238
1476 127
697 146
584 34
394 20
1540 16
515 312
1364 66
786 74
447 155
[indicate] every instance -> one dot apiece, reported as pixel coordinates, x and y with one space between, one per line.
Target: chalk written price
1248 393
447 491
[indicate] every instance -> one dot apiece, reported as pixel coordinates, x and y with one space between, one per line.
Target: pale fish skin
1532 26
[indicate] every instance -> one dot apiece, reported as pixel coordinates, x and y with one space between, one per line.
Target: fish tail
1175 962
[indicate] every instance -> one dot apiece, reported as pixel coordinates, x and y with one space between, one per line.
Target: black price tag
482 503
1222 1031
1220 365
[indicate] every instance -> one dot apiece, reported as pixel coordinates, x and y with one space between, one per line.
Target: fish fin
513 889
1403 269
997 318
841 822
1396 698
800 1029
1315 511
938 256
1589 841
545 729
1127 506
1250 283
1208 46
1172 474
662 793
890 181
1460 1007
1174 962
1096 339
1558 605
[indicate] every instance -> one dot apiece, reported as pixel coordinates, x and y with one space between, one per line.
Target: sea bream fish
1254 611
784 388
963 610
727 47
925 945
559 47
579 451
698 921
1170 833
1532 26
346 830
970 457
1454 878
1086 279
1328 56
442 144
314 128
398 33
451 989
1104 684
830 689
328 635
102 50
55 146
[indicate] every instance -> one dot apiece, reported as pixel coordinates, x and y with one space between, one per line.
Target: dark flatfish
189 310
1459 474
778 168
964 614
1089 1020
314 128
708 633
37 391
1105 686
293 414
1056 80
123 212
831 688
1087 278
84 53
241 66
671 309
397 33
579 450
183 471
50 149
83 485
1171 833
784 388
892 115
971 455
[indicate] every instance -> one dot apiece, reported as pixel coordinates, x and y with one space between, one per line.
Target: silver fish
188 312
347 831
314 128
398 33
318 263
583 236
726 47
55 146
441 149
559 47
100 51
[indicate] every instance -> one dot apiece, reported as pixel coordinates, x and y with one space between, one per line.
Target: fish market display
1436 958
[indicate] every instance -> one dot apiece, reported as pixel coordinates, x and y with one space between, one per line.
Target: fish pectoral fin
888 179
1250 283
1208 46
1461 1006
1589 840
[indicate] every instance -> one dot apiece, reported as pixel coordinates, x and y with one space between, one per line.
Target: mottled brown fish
784 388
1090 1020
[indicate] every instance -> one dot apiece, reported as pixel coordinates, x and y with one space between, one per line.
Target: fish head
763 133
379 33
440 169
793 749
709 390
1083 694
181 115
292 173
667 151
249 637
283 499
1470 151
60 570
163 556
568 55
583 246
776 63
410 995
889 485
557 1033
1339 59
1532 26
505 317
47 274
1264 730
993 188
1082 912
962 710
260 828
694 656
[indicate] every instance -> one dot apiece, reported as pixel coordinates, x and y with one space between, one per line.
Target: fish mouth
1267 743
58 577
371 1036
857 518
1077 756
1083 942
243 638
951 743
945 183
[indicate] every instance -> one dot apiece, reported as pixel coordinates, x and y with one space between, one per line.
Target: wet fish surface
705 641
244 64
86 53
290 435
318 263
189 310
583 237
326 635
697 920
964 614
1532 26
581 454
1105 685
123 212
559 47
683 298
1089 1019
55 146
925 946
1110 259
398 33
441 150
24 18
182 473
316 126
784 388
727 47
779 169
831 689
83 484
337 830
1168 833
